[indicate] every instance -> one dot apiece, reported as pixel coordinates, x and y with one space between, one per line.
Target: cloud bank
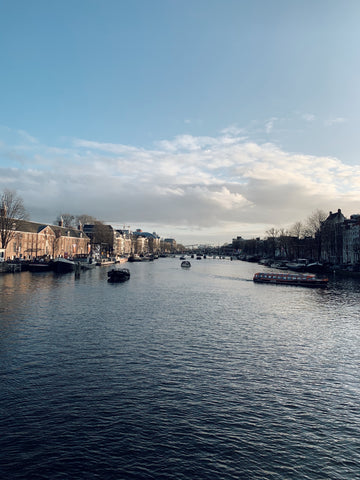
192 188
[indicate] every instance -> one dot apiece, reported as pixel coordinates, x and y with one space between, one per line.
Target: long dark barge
298 279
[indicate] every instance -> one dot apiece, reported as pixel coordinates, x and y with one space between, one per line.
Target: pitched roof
33 227
145 234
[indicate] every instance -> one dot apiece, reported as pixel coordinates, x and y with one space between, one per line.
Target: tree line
301 238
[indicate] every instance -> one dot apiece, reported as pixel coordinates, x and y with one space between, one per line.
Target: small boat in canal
134 258
298 279
117 275
185 264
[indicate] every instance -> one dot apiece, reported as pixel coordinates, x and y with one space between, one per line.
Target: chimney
61 222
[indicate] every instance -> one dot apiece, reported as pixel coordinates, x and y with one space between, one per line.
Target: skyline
201 120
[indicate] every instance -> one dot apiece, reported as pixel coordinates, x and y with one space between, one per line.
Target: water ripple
186 375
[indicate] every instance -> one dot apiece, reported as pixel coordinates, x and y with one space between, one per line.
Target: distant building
332 238
351 240
145 242
122 242
168 245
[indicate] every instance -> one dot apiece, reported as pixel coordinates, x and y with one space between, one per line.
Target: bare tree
103 235
297 232
314 222
284 240
70 220
84 219
297 229
12 213
271 238
313 228
65 219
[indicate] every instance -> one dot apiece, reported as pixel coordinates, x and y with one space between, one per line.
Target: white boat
85 262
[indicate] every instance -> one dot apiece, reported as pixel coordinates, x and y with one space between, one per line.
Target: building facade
145 242
351 240
122 243
332 238
34 240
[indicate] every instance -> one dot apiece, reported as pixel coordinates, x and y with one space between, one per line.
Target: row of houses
340 239
31 240
336 242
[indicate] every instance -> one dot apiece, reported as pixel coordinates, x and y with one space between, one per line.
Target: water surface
183 374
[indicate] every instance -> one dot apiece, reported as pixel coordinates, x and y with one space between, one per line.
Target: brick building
34 240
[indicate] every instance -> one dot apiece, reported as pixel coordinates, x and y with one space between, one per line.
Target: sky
202 120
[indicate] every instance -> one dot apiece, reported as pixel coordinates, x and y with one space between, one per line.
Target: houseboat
290 278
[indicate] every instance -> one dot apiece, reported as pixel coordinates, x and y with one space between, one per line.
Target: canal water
195 374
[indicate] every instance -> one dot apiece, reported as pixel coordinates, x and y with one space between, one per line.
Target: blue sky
200 119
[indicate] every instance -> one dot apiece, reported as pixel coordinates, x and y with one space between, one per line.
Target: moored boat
63 265
86 262
104 262
117 275
134 258
39 266
298 279
298 266
315 267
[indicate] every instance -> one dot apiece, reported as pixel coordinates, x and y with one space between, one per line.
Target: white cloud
308 117
27 137
269 125
188 184
334 120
